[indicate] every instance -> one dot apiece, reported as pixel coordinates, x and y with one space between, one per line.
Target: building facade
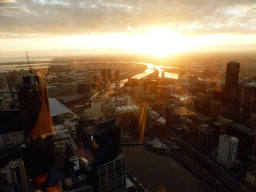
232 77
37 127
249 102
227 150
100 155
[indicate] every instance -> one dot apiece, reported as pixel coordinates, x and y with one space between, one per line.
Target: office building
192 80
84 89
249 102
99 144
97 79
37 127
190 133
117 75
246 137
101 137
104 74
14 173
232 77
162 74
253 121
10 121
202 119
202 103
110 176
153 86
215 109
227 150
109 74
207 138
251 178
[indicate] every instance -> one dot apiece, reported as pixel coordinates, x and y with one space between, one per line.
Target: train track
214 170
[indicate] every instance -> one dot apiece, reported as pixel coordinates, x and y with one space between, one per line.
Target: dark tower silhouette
232 103
37 128
109 76
249 102
100 155
104 74
117 75
232 76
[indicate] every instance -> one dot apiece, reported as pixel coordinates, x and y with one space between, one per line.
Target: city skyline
119 26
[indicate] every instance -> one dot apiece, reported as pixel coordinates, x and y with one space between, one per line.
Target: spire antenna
29 63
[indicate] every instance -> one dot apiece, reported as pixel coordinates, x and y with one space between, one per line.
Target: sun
161 42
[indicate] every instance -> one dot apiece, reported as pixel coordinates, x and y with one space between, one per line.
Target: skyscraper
99 150
249 103
162 74
99 139
215 109
227 150
104 74
109 74
232 77
37 127
110 176
117 75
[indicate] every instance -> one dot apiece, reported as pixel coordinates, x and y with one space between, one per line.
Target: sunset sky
159 27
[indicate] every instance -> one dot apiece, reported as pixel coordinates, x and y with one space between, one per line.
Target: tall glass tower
232 77
37 127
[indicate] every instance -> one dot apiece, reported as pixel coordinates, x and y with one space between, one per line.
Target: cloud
77 17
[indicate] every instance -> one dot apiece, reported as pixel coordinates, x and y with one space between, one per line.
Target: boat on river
156 145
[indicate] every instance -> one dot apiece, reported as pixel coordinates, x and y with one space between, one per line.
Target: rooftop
234 139
183 111
57 108
233 62
243 128
252 84
93 126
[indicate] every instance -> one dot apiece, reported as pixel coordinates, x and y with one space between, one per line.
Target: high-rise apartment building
232 77
227 150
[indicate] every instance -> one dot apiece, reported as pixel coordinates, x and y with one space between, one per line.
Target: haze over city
127 95
157 28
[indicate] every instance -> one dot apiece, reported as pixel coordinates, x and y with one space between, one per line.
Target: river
155 170
150 70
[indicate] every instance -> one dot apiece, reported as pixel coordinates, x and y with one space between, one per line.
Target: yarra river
155 170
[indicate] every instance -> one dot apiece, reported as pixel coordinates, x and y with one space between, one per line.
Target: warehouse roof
57 108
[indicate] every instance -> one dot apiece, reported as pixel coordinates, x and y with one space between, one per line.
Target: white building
227 150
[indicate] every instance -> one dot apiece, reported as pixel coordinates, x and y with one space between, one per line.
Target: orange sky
126 26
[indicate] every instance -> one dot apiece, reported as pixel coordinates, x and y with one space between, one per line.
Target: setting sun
162 42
